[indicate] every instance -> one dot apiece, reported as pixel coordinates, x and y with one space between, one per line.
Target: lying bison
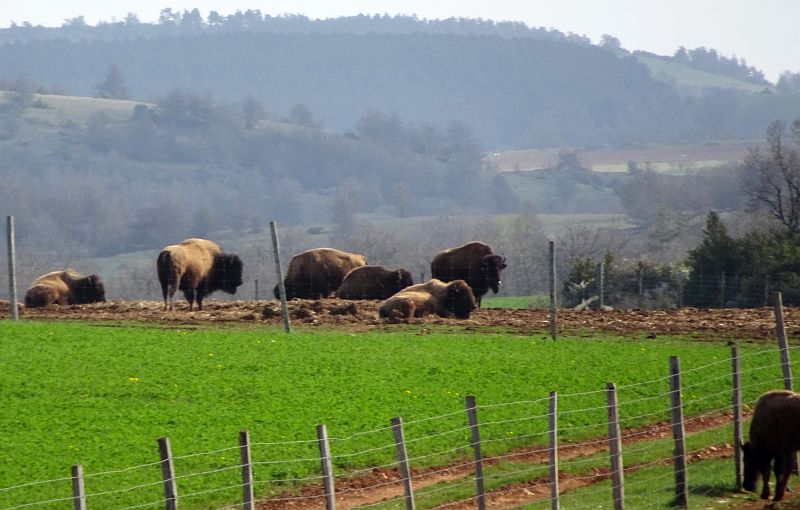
65 288
198 267
317 273
474 263
373 282
774 434
435 296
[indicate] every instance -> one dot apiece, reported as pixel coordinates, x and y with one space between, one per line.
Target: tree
772 178
252 111
714 263
113 85
301 115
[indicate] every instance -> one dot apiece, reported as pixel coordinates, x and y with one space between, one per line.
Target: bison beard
773 435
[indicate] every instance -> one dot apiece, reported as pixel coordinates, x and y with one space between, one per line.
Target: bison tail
166 268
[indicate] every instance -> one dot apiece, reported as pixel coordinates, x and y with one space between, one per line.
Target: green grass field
100 396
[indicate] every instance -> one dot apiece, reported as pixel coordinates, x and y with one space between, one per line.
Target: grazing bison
65 288
435 296
317 273
774 434
373 282
474 263
198 267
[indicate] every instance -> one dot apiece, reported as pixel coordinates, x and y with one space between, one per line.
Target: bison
373 282
317 273
774 434
66 287
434 296
474 263
198 267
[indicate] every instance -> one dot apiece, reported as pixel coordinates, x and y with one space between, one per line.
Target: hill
515 86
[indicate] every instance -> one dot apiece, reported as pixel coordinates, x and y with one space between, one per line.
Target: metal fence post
554 450
615 446
678 433
327 467
780 330
247 470
12 269
402 460
273 228
472 416
553 294
737 415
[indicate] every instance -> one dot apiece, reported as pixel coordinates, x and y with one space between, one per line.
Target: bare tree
772 178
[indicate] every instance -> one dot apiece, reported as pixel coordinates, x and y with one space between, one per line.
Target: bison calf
65 288
197 267
435 296
373 282
774 434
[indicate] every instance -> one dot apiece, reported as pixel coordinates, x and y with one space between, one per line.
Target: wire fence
630 285
441 452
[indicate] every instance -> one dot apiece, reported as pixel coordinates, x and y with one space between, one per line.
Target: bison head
756 465
490 268
89 290
459 299
228 272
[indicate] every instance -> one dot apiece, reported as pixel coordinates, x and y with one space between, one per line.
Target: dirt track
757 323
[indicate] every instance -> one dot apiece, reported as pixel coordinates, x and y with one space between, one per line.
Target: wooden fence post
168 473
78 488
553 294
678 433
737 415
273 228
472 416
780 330
12 269
327 467
615 446
247 470
402 460
554 450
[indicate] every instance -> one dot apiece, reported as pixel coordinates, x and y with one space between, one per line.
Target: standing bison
65 288
198 267
317 273
435 296
474 263
373 282
774 434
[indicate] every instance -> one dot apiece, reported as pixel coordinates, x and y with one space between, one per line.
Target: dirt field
755 324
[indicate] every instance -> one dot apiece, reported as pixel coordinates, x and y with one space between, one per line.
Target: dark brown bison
474 263
774 434
5 307
373 282
65 288
434 296
317 273
198 267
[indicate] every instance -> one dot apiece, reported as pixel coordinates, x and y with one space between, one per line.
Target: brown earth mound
755 323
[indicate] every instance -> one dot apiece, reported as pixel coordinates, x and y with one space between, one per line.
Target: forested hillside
516 87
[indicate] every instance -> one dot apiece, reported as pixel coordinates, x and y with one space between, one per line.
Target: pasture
101 394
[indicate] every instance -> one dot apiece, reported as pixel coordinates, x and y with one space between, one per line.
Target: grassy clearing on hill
101 396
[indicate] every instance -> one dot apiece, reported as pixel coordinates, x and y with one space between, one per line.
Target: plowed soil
755 323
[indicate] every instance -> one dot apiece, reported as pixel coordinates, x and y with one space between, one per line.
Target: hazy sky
764 32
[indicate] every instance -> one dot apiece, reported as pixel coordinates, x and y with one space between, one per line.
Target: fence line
172 477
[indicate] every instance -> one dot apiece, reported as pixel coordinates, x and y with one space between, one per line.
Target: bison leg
783 468
189 295
765 479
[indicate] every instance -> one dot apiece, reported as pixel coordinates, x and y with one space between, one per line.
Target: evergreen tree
113 85
713 264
